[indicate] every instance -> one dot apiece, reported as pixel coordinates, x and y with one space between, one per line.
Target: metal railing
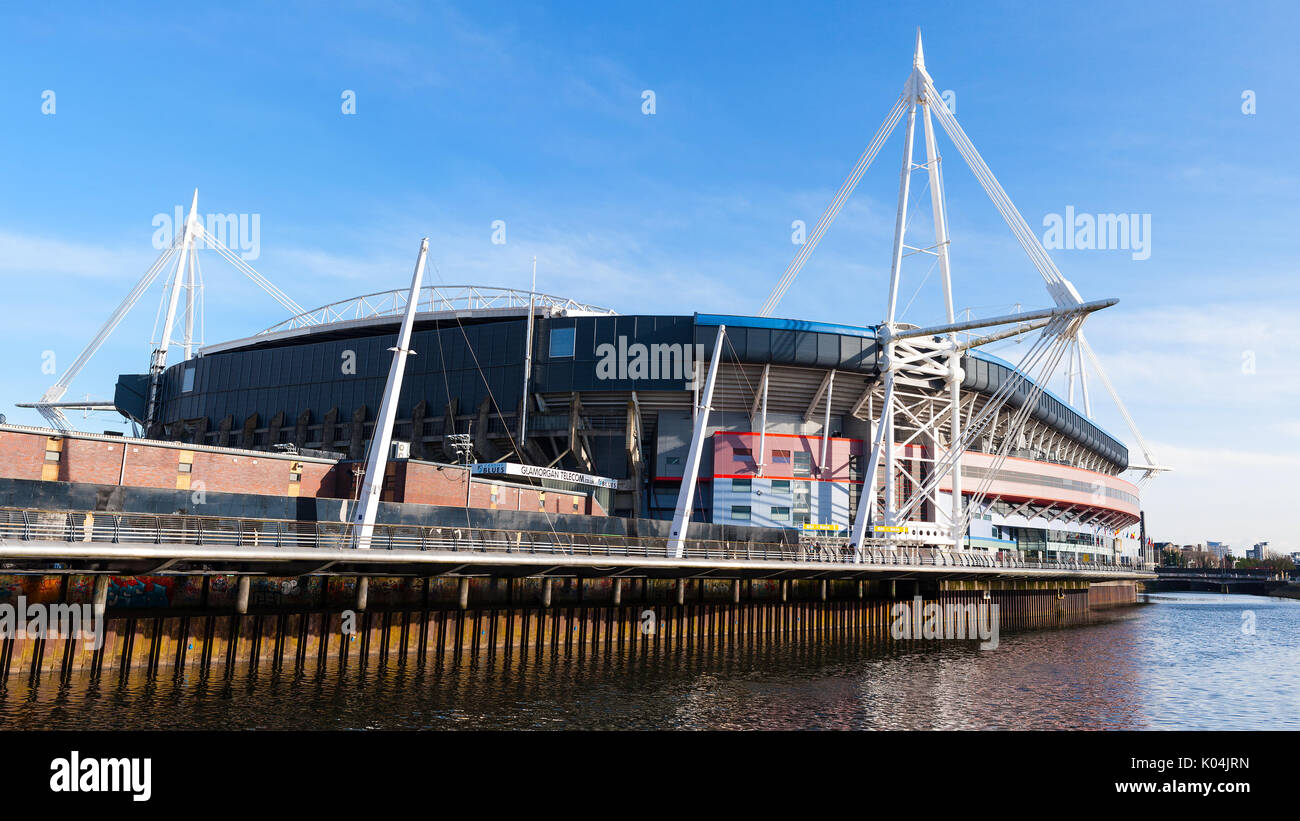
100 527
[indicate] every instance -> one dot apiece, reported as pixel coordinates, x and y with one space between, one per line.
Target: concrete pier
100 601
363 594
241 597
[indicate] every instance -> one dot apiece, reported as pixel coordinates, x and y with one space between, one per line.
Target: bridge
1257 581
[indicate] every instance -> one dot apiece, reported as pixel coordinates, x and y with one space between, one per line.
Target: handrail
27 524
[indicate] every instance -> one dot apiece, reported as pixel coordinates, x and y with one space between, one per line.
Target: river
1180 661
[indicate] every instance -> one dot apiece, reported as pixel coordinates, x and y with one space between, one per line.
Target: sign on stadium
555 474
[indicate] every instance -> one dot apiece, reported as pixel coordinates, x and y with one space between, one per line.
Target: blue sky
532 114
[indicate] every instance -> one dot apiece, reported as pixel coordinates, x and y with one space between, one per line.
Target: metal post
363 592
686 496
867 499
528 366
826 421
463 591
363 520
618 592
546 592
762 422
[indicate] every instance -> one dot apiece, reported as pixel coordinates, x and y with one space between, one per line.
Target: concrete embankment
1291 591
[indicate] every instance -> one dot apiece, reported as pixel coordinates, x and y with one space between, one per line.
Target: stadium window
780 514
742 485
187 379
562 342
802 494
780 485
780 456
52 455
740 512
803 464
743 453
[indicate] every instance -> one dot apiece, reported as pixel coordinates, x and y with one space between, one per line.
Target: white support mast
955 374
185 245
363 518
191 298
913 358
158 362
889 363
686 496
761 402
824 465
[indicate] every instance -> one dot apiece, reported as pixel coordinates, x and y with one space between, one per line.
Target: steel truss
450 299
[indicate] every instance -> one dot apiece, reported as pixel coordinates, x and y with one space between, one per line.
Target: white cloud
40 256
1241 495
1229 436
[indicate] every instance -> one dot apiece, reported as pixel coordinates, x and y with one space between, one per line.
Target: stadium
612 397
738 421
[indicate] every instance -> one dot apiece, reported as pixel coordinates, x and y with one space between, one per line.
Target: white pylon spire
187 241
909 358
158 360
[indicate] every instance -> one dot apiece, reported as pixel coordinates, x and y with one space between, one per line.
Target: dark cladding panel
828 351
805 349
783 346
307 374
736 347
597 339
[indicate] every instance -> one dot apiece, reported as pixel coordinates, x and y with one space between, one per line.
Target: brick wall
429 484
98 460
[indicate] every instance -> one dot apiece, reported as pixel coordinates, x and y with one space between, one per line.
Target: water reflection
1182 662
